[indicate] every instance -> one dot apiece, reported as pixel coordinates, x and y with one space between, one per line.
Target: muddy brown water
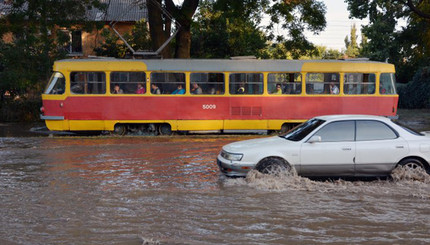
168 190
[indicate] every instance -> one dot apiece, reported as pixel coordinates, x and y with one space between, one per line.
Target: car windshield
299 132
412 131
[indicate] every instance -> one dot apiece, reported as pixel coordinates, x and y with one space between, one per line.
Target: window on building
88 82
167 83
74 44
359 83
246 83
284 83
207 83
128 82
322 83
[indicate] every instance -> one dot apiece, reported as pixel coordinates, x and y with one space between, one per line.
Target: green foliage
352 48
214 35
407 48
29 46
416 94
231 28
113 46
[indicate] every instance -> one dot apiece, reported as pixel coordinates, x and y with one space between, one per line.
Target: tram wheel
285 128
165 129
119 129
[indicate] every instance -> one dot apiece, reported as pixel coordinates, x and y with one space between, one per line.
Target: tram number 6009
209 106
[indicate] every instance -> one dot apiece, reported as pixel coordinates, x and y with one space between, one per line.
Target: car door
333 155
378 148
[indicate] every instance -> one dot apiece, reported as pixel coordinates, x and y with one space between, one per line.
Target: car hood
246 145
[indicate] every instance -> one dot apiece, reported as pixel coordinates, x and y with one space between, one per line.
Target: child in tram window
117 89
140 89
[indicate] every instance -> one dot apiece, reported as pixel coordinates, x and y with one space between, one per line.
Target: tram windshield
56 84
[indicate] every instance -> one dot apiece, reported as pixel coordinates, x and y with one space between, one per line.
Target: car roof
352 117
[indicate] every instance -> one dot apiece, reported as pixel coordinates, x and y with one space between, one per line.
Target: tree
352 49
217 36
240 29
160 25
112 46
30 43
409 47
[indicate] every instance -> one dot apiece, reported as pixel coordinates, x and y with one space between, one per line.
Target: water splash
404 181
403 173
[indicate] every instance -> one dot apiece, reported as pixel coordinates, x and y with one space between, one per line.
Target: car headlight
231 156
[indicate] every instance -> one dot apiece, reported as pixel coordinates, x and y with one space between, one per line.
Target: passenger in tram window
278 89
117 89
333 88
241 89
212 90
155 89
382 90
196 89
179 90
140 89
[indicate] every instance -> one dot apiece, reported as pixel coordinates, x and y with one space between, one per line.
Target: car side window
374 130
337 131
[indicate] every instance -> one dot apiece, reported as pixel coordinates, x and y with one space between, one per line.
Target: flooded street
168 190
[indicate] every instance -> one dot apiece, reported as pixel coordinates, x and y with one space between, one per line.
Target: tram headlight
231 156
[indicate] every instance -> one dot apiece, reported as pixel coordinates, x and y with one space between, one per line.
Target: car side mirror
315 138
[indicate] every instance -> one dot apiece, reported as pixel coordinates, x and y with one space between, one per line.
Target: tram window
128 82
284 83
168 83
88 82
386 83
322 83
246 83
57 84
207 83
359 83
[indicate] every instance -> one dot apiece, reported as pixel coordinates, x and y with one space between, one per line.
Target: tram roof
220 65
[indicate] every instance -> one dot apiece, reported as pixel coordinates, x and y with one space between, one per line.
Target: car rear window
374 130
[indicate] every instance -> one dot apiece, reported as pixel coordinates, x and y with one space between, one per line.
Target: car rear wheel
272 165
411 163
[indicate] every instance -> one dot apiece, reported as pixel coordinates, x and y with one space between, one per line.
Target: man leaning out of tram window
180 90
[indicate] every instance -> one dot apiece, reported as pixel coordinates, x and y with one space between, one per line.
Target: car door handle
346 148
400 146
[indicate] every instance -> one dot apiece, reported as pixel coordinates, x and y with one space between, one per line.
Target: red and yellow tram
211 95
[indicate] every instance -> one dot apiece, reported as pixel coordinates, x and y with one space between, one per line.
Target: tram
192 95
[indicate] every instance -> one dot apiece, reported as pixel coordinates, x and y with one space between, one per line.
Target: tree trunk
183 43
159 28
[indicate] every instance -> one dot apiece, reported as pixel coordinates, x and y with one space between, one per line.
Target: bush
20 110
416 93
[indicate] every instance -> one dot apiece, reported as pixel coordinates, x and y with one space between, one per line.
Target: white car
335 145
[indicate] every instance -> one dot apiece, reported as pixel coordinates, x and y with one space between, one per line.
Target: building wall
92 40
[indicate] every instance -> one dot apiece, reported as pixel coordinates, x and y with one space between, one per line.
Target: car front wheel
272 165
